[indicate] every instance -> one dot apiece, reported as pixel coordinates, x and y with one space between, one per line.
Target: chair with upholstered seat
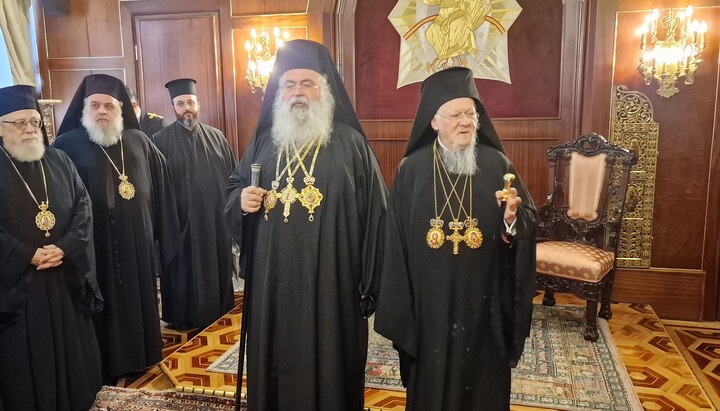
579 224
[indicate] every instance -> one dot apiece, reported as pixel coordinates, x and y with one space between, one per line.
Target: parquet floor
673 365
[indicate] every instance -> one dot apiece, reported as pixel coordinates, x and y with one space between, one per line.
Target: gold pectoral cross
456 238
288 196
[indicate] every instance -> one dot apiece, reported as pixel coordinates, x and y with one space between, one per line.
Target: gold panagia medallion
435 236
45 220
125 188
310 197
473 235
269 201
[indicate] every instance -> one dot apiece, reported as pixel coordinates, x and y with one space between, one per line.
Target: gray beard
461 162
298 125
104 136
26 151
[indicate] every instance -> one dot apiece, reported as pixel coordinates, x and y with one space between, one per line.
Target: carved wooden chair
579 224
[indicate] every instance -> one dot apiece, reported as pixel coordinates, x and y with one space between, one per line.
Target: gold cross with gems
455 237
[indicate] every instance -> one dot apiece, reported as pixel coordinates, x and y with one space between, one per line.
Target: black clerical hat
181 86
18 97
438 89
306 54
98 84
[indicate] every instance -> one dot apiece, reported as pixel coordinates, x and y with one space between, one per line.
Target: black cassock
458 321
128 329
200 163
307 339
49 358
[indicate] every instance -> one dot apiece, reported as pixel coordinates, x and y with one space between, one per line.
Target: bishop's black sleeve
15 276
77 244
395 316
371 195
517 279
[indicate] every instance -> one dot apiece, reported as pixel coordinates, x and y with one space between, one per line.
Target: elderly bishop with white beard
49 358
311 238
133 205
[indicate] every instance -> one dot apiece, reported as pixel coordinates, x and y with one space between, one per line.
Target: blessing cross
455 237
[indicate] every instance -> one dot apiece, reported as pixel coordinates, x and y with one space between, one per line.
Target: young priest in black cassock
200 163
457 280
133 205
49 357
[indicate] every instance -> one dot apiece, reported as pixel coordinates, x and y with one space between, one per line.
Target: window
5 74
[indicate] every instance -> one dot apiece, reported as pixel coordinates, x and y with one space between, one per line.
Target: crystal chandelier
261 57
678 55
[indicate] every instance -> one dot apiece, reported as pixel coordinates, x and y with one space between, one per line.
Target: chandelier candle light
261 57
678 55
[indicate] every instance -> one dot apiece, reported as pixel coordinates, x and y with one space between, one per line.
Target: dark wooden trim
674 294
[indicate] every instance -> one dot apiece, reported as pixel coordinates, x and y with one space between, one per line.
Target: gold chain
125 188
45 219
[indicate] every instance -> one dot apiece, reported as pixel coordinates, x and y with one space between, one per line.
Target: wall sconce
261 57
669 59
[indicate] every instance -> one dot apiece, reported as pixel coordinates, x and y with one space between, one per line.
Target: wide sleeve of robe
77 244
517 277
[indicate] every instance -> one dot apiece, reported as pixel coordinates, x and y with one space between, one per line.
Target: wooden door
169 39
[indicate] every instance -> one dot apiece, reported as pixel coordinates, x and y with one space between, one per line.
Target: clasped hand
47 257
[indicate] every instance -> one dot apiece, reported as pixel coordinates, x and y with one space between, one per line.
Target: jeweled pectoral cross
456 238
288 195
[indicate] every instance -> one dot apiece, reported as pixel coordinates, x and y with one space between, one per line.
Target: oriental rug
558 370
125 399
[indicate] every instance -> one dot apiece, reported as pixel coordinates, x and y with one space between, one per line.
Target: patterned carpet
661 376
559 368
122 399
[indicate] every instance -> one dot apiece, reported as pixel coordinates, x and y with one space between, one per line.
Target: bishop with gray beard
311 237
459 264
133 207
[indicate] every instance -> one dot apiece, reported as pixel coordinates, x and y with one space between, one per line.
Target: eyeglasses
301 86
21 124
458 117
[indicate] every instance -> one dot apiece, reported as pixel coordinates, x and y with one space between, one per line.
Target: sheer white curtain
15 25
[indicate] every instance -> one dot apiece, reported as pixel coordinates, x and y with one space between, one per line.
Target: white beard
104 136
461 162
27 151
298 125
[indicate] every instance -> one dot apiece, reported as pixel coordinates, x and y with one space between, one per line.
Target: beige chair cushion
574 261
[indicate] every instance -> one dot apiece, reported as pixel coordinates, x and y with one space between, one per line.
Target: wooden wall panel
245 7
685 226
194 54
248 103
389 154
91 29
686 124
535 47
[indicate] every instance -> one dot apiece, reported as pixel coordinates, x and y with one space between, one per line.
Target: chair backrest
588 180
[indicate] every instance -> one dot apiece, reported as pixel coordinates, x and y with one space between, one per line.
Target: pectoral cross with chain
455 237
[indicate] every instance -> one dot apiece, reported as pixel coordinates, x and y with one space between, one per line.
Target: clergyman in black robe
150 123
200 163
49 357
459 267
109 158
310 268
